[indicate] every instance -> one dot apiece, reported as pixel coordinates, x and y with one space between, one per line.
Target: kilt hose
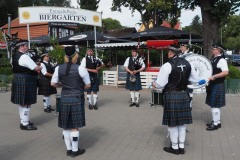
216 96
133 86
72 112
94 86
45 87
177 109
24 89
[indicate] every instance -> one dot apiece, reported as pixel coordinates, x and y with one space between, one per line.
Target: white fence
110 78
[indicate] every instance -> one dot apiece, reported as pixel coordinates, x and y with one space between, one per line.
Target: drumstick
152 83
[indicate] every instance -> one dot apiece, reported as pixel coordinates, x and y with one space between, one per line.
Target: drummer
184 48
173 78
184 52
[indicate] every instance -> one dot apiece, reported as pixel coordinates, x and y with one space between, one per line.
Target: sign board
63 24
3 45
59 14
121 73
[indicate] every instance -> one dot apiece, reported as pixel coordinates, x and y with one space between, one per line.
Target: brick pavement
118 132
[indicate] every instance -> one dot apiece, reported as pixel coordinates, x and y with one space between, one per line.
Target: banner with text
59 14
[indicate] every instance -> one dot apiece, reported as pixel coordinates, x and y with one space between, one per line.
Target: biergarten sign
29 15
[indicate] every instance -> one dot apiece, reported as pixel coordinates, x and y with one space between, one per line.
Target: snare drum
157 97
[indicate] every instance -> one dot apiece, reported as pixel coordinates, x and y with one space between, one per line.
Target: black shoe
132 104
95 107
212 127
50 108
69 152
181 151
137 104
28 127
47 110
171 150
30 123
90 106
209 124
78 153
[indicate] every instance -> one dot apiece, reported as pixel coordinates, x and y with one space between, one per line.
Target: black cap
70 51
220 47
21 43
173 48
44 54
184 44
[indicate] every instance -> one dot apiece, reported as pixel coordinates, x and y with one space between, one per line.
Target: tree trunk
210 28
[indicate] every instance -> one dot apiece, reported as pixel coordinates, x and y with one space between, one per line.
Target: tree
231 33
89 5
214 15
7 7
154 10
59 3
109 23
195 27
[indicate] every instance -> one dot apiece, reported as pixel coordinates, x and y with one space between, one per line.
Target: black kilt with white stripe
45 87
133 86
94 86
216 97
177 109
72 112
24 89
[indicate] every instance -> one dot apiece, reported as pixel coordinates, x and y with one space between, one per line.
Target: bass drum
201 64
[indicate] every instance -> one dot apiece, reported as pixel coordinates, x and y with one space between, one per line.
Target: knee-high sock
173 131
67 139
74 138
182 135
89 98
219 117
137 96
45 101
20 113
215 115
25 116
132 96
95 98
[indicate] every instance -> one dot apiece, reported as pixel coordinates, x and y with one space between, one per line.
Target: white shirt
222 64
165 70
26 61
126 63
81 70
44 69
83 62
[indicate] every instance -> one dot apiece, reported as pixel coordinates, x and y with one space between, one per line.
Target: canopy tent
163 33
88 38
41 40
150 44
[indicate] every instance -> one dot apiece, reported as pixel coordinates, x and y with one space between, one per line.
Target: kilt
72 112
133 86
24 89
177 109
94 86
216 97
45 87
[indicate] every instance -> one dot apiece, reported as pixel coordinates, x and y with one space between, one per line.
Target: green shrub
234 73
6 70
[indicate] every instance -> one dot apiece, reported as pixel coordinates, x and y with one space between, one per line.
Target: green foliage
110 23
6 70
59 3
4 61
231 33
89 4
57 53
234 73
